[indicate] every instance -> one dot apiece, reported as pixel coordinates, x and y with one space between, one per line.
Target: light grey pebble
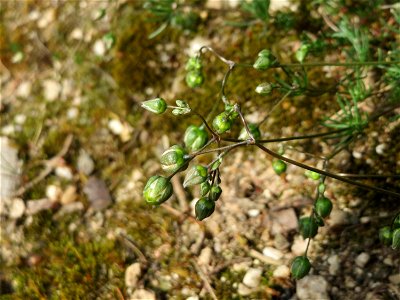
132 275
85 163
142 294
252 277
97 193
312 287
35 206
362 259
17 208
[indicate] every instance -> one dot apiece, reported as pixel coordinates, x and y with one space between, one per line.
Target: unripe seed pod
319 221
193 64
321 188
194 79
396 222
157 105
204 208
312 175
308 227
173 159
396 239
385 235
323 207
196 175
195 138
264 88
222 123
204 188
279 166
302 52
254 130
265 60
300 267
215 192
157 190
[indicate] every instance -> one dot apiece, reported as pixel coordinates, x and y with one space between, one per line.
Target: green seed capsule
319 221
264 88
321 188
215 192
222 123
308 227
157 105
302 52
173 159
396 239
204 188
396 222
194 79
385 235
312 175
196 175
279 166
157 190
204 208
323 207
193 64
300 267
195 138
265 60
254 130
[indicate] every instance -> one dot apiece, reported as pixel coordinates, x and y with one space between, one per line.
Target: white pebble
17 208
380 149
85 163
24 89
362 259
64 172
253 212
53 192
132 275
116 126
282 271
52 89
252 277
99 48
272 253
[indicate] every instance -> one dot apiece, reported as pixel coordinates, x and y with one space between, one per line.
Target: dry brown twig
50 165
203 277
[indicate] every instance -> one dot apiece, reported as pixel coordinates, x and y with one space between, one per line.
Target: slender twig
372 176
326 173
203 277
285 139
229 147
275 106
252 140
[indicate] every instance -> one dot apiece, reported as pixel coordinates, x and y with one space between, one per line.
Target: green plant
346 125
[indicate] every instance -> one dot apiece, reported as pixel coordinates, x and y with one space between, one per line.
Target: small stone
380 149
252 277
99 48
241 266
299 246
334 264
115 126
142 294
53 192
272 253
395 279
51 90
349 282
253 213
244 290
132 275
357 155
85 163
362 259
64 172
17 208
388 261
205 256
339 218
283 221
72 113
97 193
280 242
9 169
35 206
68 209
282 271
69 195
24 89
193 298
312 287
76 34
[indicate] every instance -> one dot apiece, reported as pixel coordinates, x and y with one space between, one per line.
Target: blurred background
77 149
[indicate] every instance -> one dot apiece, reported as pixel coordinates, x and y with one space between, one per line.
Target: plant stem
326 173
275 106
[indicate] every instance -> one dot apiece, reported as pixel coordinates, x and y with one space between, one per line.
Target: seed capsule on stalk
173 159
204 208
300 267
265 60
215 192
222 123
157 105
308 227
195 138
157 190
194 79
323 207
196 175
279 166
254 130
